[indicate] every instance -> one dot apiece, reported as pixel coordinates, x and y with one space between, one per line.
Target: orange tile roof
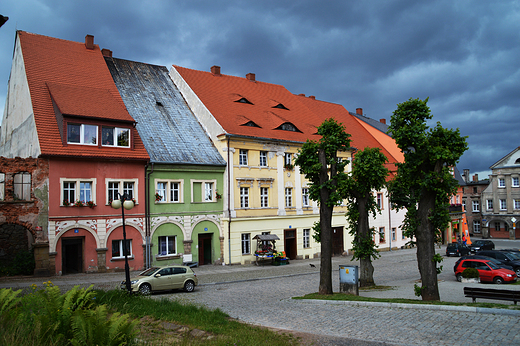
81 84
219 93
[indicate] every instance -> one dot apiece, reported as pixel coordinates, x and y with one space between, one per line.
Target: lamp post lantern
127 204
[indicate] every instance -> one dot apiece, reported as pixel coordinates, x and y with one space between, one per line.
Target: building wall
18 136
96 226
186 219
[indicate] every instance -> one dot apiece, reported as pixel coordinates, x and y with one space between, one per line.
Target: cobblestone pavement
261 295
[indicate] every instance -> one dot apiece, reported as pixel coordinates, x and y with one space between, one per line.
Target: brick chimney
466 175
89 41
475 178
312 97
215 70
359 111
251 77
382 121
106 52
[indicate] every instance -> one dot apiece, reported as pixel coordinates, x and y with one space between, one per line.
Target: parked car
163 278
488 271
504 257
457 249
494 260
481 244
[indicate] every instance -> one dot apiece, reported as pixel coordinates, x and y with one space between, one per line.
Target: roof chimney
466 175
89 41
301 95
312 97
106 52
475 178
359 111
215 70
382 121
251 77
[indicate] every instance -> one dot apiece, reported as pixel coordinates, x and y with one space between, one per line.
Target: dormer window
115 136
517 161
251 123
280 106
244 100
288 127
82 134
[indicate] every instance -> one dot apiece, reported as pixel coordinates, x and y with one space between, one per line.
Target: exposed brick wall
19 219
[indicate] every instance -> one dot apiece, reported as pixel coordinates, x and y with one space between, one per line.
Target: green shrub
470 273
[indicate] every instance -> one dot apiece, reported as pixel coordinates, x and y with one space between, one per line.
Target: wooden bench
490 293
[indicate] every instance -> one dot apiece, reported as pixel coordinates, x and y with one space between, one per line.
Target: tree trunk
326 231
425 237
366 270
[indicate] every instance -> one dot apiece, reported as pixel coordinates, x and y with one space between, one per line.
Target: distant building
501 199
472 201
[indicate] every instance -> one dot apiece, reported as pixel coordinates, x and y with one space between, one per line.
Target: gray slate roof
169 130
372 122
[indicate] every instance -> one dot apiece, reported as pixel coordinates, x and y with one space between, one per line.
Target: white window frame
264 197
379 200
77 185
382 235
166 192
2 186
306 238
476 226
22 183
503 204
121 250
203 190
81 133
263 159
122 188
246 243
242 157
517 204
475 206
288 197
515 182
501 182
305 197
244 197
489 204
287 159
166 238
117 131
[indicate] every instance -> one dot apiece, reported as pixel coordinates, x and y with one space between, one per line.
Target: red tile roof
81 85
219 94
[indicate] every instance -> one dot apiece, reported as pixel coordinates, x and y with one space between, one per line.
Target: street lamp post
127 204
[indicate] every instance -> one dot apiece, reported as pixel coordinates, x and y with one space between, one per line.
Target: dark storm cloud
462 54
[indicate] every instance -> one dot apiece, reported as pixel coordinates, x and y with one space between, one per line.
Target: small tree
368 174
318 161
424 183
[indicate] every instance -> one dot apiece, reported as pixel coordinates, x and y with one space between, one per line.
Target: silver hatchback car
162 279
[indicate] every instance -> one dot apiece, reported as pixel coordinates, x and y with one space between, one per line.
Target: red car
488 271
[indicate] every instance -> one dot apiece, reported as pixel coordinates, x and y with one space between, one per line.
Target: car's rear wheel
145 289
517 271
498 280
189 286
459 277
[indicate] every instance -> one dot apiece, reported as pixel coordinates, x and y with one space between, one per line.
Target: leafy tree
424 182
368 174
319 163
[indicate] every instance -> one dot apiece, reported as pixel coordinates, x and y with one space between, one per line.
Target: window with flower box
169 191
78 192
203 191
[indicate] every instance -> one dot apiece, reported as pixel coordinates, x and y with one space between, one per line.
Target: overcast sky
463 55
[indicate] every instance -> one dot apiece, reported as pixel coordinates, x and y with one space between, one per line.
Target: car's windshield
514 255
149 271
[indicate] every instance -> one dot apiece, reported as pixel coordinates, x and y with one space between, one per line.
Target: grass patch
354 298
218 327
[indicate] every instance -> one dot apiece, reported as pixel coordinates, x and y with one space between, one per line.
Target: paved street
262 296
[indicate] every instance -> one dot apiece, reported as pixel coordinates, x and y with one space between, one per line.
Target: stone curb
415 306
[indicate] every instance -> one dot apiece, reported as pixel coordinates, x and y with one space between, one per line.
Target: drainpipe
148 254
390 223
229 199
